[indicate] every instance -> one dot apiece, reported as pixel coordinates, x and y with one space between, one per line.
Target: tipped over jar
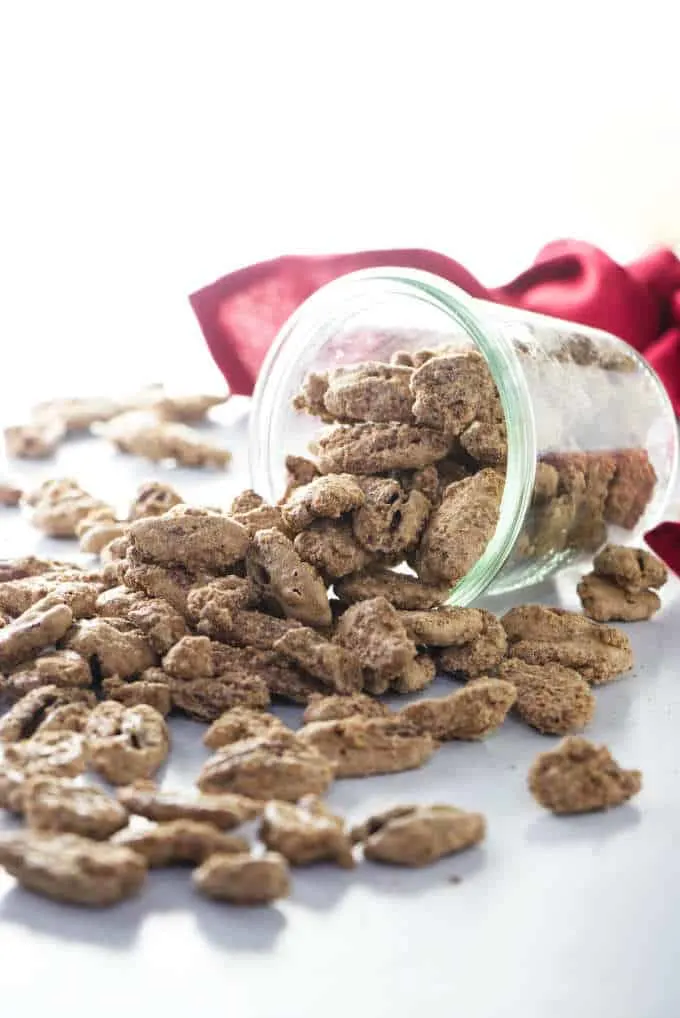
492 446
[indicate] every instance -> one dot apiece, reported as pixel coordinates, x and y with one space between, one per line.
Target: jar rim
309 324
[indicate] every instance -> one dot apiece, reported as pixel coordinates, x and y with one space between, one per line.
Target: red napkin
241 313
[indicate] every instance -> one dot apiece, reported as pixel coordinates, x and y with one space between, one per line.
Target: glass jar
592 439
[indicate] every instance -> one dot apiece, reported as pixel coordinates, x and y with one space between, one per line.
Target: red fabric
241 313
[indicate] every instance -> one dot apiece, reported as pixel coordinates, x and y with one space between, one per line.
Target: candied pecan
550 698
172 585
472 712
486 442
481 654
72 869
76 414
460 528
586 477
579 777
191 657
337 708
79 596
245 628
60 752
419 835
332 548
26 565
52 491
206 699
266 517
540 635
153 499
631 489
116 602
116 646
98 536
376 448
222 811
53 668
33 441
34 630
403 591
450 391
330 496
68 717
267 767
444 627
331 663
101 514
186 407
9 495
245 501
546 482
632 569
275 566
61 518
605 602
371 391
192 541
242 723
152 689
390 520
125 743
300 471
374 633
224 594
306 832
417 675
284 681
243 879
27 715
162 625
180 842
360 746
310 399
142 434
57 805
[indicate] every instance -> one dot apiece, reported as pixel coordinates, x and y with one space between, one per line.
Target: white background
149 146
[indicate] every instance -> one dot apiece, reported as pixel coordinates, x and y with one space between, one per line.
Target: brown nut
33 441
331 547
402 591
419 835
372 392
359 746
58 753
58 805
244 628
269 767
153 499
550 698
330 663
631 489
24 637
460 528
194 542
632 569
378 448
276 567
52 668
579 777
605 602
472 712
243 879
152 688
69 868
327 497
374 633
161 624
337 708
143 434
481 654
223 811
180 843
30 712
116 647
418 674
540 635
242 723
451 391
126 743
444 627
306 832
390 520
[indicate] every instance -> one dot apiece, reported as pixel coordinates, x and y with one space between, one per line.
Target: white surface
551 917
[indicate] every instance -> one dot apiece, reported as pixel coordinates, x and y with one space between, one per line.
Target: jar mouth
308 329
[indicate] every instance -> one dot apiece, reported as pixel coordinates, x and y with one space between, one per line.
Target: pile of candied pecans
216 615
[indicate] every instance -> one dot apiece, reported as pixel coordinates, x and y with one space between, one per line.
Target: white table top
550 917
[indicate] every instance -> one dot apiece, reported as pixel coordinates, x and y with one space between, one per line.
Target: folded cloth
241 313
